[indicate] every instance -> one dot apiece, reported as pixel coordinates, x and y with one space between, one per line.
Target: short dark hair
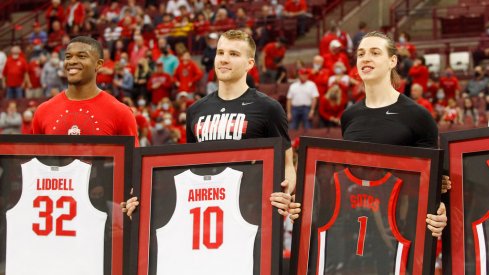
91 42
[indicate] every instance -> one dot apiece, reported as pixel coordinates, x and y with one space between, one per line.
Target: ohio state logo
74 130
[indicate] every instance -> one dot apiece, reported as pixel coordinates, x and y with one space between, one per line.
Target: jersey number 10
219 214
47 215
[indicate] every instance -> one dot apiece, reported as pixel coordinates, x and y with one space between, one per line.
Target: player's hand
281 200
294 209
436 223
130 206
446 184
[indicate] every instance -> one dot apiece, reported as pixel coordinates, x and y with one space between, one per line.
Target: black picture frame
259 157
338 156
111 160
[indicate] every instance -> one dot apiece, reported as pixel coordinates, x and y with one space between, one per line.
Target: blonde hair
241 36
391 51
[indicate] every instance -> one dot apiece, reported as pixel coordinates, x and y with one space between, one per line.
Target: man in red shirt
419 73
319 75
335 33
15 74
105 75
54 12
159 84
273 53
297 9
164 29
84 109
187 74
34 70
56 36
75 15
449 84
417 95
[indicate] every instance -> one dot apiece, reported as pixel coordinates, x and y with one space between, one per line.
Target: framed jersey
60 204
205 208
364 208
465 242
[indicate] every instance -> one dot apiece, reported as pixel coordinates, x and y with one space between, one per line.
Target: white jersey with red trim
54 229
206 233
481 243
352 240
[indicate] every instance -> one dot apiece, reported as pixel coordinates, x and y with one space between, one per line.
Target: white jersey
54 229
206 233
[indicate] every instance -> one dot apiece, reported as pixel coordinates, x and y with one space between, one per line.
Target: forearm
290 173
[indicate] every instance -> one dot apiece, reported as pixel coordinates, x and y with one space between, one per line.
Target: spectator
16 74
243 20
263 27
404 45
419 73
75 15
417 96
319 75
331 106
181 31
470 114
477 85
112 33
170 61
3 61
159 84
335 33
451 113
26 128
158 16
112 12
362 30
449 84
273 53
336 54
123 81
105 75
34 70
141 77
137 50
202 27
222 22
37 49
187 74
160 134
297 9
340 79
56 36
209 53
38 33
130 8
10 120
55 12
51 75
172 7
301 101
164 29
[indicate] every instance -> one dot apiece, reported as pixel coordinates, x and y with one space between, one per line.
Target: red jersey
163 83
320 78
101 115
35 74
77 16
106 78
295 6
449 86
164 29
330 59
420 75
202 28
14 71
188 75
272 53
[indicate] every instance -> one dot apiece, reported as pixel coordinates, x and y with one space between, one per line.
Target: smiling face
374 62
81 63
233 59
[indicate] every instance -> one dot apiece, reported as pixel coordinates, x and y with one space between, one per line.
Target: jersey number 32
47 215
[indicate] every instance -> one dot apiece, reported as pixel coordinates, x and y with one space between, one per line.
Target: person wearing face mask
301 101
449 84
478 84
159 84
319 74
169 60
51 75
160 134
340 79
187 75
336 54
404 44
15 74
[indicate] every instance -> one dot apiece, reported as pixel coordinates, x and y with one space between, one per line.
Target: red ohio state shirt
101 115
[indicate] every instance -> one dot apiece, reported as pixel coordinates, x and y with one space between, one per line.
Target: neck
380 94
232 90
82 92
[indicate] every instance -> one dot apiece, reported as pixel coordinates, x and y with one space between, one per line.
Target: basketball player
84 109
252 113
386 116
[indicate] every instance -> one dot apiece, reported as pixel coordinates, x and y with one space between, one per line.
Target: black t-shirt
402 123
252 115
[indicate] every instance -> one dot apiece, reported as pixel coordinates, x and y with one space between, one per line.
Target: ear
251 63
393 61
100 62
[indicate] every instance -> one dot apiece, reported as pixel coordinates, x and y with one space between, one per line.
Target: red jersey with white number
362 236
206 234
54 229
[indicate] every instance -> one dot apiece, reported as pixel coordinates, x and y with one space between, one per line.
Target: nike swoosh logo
246 103
389 113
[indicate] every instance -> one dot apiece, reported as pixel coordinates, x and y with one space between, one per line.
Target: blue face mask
338 70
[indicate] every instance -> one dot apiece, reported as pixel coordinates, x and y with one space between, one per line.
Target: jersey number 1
47 215
362 232
219 214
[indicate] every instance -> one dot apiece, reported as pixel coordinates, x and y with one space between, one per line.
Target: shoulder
48 104
201 103
267 103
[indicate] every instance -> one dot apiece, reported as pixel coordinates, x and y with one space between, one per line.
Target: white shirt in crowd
302 94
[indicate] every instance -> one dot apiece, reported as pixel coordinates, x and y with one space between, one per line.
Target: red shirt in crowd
425 103
295 6
329 109
330 36
272 53
106 78
320 78
164 29
35 74
450 85
159 84
420 75
330 59
202 28
14 71
55 39
78 16
100 115
223 25
188 75
55 13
